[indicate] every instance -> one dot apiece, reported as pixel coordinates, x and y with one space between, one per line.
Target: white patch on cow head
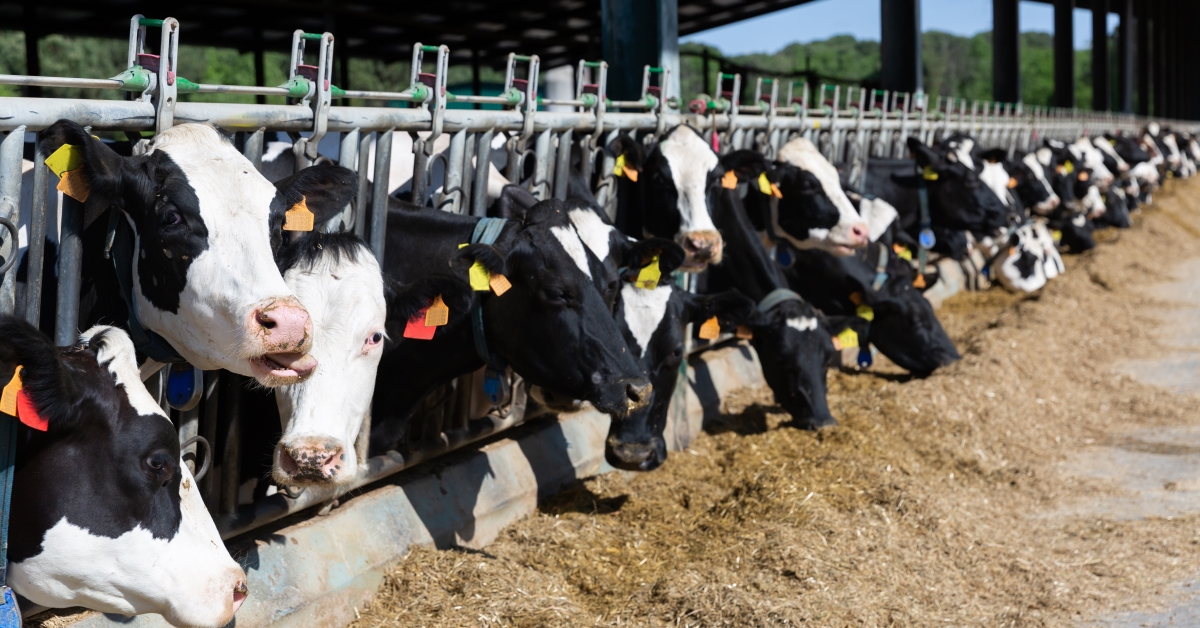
1010 273
878 214
690 160
996 178
802 323
595 233
1104 146
1145 172
644 311
1093 202
1052 263
1093 159
1153 129
851 231
571 243
1035 165
235 275
344 295
1044 156
118 355
275 150
963 151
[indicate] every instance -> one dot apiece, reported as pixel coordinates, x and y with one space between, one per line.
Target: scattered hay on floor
927 506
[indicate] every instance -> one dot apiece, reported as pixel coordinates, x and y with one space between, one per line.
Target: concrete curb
316 572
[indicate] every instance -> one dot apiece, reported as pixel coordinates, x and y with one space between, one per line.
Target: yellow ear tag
67 158
619 167
1057 235
8 398
764 184
729 181
919 282
710 329
1069 167
865 312
72 183
848 338
1012 183
929 174
438 314
481 280
649 275
902 252
499 284
744 332
298 218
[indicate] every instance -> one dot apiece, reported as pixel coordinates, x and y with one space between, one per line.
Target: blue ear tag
184 383
986 271
491 385
864 358
783 256
926 238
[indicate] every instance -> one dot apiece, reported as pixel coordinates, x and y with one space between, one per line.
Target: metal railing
849 124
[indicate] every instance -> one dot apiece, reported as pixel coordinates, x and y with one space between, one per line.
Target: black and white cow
552 326
203 221
105 515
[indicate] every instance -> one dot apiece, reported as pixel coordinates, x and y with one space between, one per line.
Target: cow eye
375 338
171 218
158 466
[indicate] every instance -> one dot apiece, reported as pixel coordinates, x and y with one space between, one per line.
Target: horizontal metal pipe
205 88
59 81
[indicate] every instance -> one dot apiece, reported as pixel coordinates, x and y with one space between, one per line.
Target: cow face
612 253
204 278
338 280
957 198
1027 259
905 328
1034 185
793 347
654 323
554 304
814 211
105 513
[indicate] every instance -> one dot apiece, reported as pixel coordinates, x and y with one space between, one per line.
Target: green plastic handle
654 70
592 64
522 58
430 48
768 81
728 76
149 22
311 36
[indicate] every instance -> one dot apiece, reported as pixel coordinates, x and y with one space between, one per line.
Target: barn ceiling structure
1156 57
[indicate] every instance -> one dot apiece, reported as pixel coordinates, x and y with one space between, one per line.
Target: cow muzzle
635 456
700 249
281 337
313 460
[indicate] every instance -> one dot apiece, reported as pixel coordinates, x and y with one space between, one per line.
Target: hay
926 507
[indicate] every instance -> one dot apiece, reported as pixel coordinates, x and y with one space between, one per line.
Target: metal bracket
528 87
315 83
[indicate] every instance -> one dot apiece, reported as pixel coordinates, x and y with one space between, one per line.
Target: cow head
204 278
1033 184
105 513
654 323
957 198
794 346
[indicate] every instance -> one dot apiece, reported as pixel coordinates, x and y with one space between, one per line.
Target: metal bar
483 167
8 460
59 81
347 158
562 170
11 150
463 204
379 193
189 426
543 154
209 418
452 199
253 148
70 261
35 254
360 202
230 397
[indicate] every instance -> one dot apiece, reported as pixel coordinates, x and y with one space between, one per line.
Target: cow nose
701 247
638 394
311 462
859 234
240 591
283 325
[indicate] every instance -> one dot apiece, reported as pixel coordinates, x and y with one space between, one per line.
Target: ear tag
929 174
416 328
856 298
710 329
837 343
491 385
1057 235
1083 176
743 332
73 184
902 252
919 282
764 184
1069 167
864 358
849 338
67 158
729 181
14 401
499 284
298 218
479 277
1012 182
865 312
619 167
649 276
926 238
880 279
439 313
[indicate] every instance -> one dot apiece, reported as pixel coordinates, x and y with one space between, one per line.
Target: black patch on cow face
660 215
793 362
171 232
905 328
804 205
326 189
102 466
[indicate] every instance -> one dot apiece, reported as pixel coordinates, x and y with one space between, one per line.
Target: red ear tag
416 328
28 415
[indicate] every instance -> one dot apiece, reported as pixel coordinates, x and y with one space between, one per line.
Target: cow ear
995 154
489 256
514 202
730 307
101 173
748 164
326 189
926 157
404 301
44 378
639 253
624 144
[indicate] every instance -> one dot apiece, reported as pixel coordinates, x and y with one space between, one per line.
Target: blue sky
825 18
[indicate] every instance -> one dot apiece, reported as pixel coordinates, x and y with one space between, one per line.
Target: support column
33 65
900 46
1100 72
1158 54
260 70
636 33
1125 48
1006 51
1064 53
1145 69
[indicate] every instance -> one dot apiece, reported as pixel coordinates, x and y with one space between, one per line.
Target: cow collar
881 275
487 230
775 297
120 250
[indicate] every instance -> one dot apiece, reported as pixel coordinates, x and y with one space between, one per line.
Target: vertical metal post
253 148
1006 51
360 202
541 172
483 167
70 260
260 70
208 429
476 82
562 171
8 456
189 426
379 192
11 150
1100 72
634 34
1159 55
1064 53
36 252
231 402
451 199
33 66
1125 50
900 45
347 158
420 181
1144 65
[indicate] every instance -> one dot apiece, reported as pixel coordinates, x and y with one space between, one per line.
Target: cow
105 514
551 326
198 223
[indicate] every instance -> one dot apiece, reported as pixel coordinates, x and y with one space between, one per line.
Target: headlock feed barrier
529 137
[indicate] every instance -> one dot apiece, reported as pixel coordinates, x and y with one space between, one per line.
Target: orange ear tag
744 332
1083 176
499 284
775 191
729 181
837 343
710 329
73 184
14 402
1012 183
856 298
919 282
439 313
298 218
8 397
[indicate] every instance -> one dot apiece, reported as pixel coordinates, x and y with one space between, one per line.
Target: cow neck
747 264
120 248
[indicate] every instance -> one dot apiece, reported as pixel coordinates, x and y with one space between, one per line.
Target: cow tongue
300 363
